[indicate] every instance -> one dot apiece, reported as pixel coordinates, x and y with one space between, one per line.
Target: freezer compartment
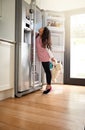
24 67
25 62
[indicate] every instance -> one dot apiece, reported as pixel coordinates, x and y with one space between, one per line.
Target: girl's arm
51 55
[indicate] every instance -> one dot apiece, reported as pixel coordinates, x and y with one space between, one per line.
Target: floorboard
62 109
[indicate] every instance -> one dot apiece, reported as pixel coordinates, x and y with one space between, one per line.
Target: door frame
67 79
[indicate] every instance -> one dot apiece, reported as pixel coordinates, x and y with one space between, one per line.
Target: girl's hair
46 38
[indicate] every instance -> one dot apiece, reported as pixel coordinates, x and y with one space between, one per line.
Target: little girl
43 46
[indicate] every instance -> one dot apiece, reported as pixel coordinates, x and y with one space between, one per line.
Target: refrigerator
27 65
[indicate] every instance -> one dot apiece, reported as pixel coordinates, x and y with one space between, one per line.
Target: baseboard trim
9 93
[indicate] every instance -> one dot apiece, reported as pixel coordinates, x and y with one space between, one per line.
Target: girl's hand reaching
53 59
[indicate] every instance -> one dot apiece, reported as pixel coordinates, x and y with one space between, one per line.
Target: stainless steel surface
34 29
24 67
28 75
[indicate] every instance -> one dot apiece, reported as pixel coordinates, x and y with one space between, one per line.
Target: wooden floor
62 109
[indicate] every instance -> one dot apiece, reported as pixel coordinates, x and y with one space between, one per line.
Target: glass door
75 49
77 46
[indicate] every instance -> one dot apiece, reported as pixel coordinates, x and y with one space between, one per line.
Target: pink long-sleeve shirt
41 52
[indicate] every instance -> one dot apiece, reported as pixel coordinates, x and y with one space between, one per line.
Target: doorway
74 71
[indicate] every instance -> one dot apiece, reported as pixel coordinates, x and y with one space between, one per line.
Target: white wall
0 7
61 5
37 2
28 1
7 21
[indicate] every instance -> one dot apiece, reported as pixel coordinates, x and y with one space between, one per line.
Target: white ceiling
60 5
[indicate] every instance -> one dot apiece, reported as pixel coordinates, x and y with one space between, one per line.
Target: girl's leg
48 74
